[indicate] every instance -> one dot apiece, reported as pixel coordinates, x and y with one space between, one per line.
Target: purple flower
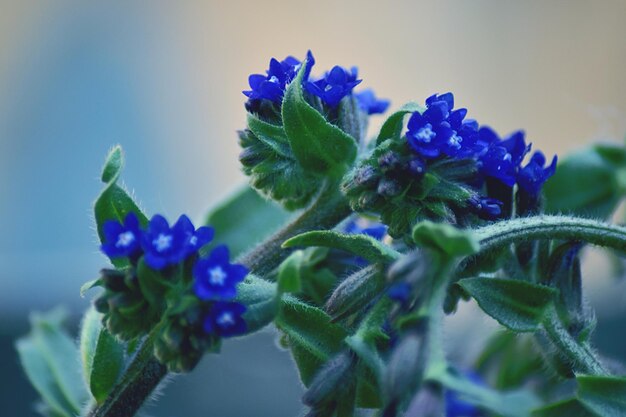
334 85
272 86
122 240
225 319
532 177
164 245
370 104
216 278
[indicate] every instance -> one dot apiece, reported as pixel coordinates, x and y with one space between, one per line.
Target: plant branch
145 373
330 208
551 227
582 358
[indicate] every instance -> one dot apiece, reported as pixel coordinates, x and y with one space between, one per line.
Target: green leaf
392 128
49 358
585 184
319 146
244 219
289 273
604 395
114 203
445 238
313 339
517 305
271 135
567 408
102 356
358 244
516 403
261 301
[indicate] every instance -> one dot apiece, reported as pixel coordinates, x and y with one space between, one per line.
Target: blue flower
486 208
363 226
199 238
502 158
122 240
456 406
216 278
532 177
370 104
400 292
225 319
334 85
165 246
429 131
272 86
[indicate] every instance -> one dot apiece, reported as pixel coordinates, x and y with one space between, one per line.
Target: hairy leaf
358 244
319 146
517 305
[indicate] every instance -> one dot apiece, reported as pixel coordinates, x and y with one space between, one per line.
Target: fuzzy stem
551 227
141 377
330 208
581 357
145 373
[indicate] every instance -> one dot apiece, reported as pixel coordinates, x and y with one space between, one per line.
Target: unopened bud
405 369
355 292
388 187
331 381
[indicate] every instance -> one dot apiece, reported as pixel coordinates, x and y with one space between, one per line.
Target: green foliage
311 335
274 171
445 238
243 219
319 146
358 244
518 305
588 183
49 357
392 128
114 203
101 354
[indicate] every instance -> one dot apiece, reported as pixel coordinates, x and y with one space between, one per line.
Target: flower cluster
446 168
267 156
331 88
163 258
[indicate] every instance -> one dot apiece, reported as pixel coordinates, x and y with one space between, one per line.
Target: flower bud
355 292
405 369
332 381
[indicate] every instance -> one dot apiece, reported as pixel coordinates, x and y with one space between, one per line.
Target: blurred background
164 79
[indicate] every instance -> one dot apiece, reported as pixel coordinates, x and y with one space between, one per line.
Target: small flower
272 86
216 278
400 292
334 85
486 208
122 240
532 177
456 406
503 157
363 226
429 131
165 246
199 238
370 104
225 319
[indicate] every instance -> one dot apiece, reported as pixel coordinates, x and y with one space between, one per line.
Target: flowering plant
355 250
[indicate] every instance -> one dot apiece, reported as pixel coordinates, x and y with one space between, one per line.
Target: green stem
581 356
139 380
145 373
551 227
328 210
